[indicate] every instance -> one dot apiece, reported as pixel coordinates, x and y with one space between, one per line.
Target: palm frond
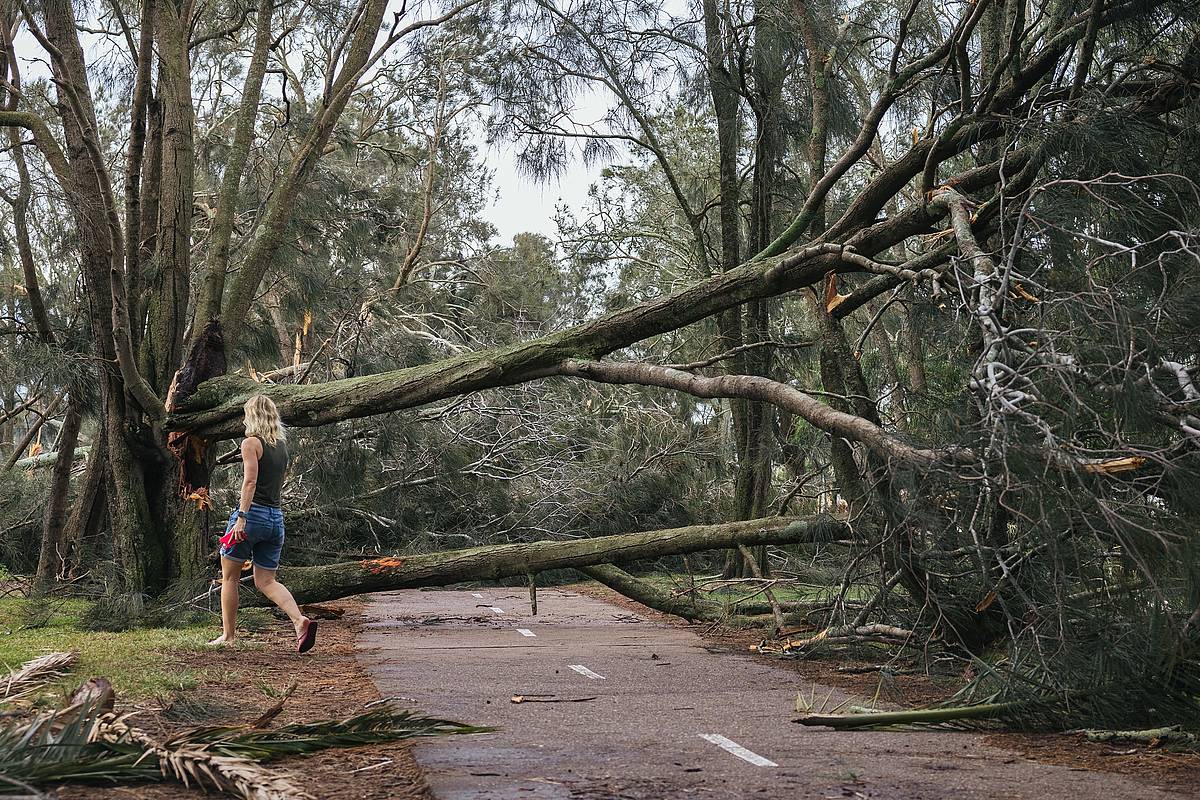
195 764
62 746
86 743
34 674
372 727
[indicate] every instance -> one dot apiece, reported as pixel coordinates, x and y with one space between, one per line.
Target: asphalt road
655 713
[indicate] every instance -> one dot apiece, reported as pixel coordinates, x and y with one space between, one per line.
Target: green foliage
21 498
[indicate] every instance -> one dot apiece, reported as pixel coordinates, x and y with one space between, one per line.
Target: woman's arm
251 451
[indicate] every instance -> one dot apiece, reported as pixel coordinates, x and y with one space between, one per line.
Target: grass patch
141 662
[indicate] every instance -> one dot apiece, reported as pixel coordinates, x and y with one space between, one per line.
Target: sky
524 205
521 204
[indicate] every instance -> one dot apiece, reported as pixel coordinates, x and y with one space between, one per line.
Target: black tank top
271 465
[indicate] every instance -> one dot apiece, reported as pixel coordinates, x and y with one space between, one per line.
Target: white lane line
587 673
526 632
497 610
476 594
736 749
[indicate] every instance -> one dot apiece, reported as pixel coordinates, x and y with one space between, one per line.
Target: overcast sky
521 204
524 205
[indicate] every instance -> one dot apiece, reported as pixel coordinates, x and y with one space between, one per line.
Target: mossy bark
314 584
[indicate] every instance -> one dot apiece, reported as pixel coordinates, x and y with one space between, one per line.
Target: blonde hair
262 419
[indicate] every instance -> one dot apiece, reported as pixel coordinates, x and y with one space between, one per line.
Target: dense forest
895 298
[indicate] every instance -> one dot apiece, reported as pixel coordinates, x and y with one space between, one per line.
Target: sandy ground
642 708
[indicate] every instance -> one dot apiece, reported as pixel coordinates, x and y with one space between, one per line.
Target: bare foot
221 641
299 626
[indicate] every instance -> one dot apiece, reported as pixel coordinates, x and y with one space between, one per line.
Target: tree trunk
649 595
88 512
101 245
33 289
208 307
162 349
769 75
314 584
44 460
50 560
699 610
748 325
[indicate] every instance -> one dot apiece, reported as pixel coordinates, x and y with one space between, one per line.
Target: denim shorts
264 537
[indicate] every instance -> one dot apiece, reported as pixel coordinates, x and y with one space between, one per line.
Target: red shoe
307 637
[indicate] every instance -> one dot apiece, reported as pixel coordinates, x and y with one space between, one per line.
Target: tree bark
135 156
20 207
50 560
855 427
169 288
90 508
313 584
693 610
209 305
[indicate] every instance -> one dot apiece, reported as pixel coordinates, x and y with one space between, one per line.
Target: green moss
142 662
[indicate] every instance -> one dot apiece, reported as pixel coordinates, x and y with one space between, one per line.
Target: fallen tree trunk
693 610
887 634
754 387
620 581
43 460
314 584
1152 737
899 720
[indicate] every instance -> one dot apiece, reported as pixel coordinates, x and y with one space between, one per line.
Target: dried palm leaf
34 674
195 764
86 743
63 746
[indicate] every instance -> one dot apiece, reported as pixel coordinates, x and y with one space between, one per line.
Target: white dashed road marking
498 610
587 673
736 749
526 632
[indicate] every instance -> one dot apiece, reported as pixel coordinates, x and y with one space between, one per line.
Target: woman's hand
239 530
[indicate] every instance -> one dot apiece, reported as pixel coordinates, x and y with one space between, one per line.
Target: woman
255 529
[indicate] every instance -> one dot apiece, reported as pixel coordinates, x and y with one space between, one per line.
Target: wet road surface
659 714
